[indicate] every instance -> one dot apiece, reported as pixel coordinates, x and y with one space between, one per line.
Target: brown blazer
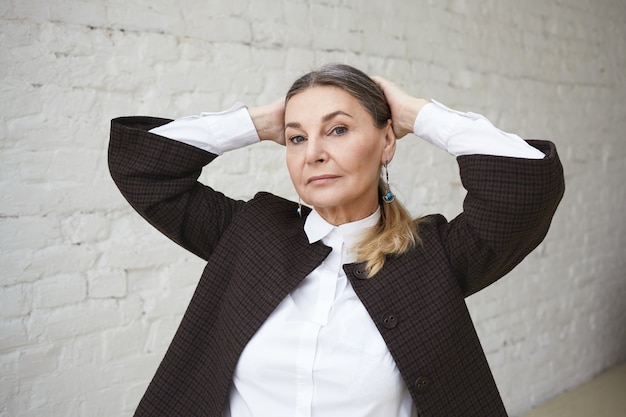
257 253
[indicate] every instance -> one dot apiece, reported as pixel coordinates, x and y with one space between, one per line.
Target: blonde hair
395 234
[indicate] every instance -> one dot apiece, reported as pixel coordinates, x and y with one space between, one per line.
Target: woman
352 308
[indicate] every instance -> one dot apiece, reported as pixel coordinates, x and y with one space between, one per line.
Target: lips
321 179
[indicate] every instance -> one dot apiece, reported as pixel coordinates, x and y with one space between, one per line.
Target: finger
380 81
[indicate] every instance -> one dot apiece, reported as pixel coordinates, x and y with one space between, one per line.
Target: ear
389 149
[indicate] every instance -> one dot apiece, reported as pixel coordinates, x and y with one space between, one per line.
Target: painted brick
104 283
16 300
59 290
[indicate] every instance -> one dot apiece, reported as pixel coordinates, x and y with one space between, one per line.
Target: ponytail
395 234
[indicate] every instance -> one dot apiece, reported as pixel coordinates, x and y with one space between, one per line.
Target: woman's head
338 134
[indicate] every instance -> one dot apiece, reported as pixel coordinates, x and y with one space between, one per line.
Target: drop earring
299 209
388 197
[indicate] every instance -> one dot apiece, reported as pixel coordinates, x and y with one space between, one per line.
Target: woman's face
334 153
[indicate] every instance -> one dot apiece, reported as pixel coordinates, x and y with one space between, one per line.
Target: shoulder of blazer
274 212
266 223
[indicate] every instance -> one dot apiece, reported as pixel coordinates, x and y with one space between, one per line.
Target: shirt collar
316 228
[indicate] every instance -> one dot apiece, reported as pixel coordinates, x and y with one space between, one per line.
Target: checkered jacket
257 253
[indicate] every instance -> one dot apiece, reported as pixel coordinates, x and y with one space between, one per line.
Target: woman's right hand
269 121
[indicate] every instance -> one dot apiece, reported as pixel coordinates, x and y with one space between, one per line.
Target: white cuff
434 122
467 133
215 132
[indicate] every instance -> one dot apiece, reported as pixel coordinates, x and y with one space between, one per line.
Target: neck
339 217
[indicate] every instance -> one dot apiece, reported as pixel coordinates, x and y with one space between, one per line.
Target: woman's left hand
404 107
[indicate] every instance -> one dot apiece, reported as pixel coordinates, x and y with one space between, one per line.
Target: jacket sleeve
159 178
507 211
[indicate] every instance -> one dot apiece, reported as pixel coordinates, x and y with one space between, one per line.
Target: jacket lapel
277 259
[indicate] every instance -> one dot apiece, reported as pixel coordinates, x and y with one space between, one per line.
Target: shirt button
422 384
390 320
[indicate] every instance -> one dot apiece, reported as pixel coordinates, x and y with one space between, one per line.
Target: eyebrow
325 118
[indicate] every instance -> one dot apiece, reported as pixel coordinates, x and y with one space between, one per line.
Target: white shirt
319 353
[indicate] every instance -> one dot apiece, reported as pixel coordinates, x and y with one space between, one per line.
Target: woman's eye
339 130
297 139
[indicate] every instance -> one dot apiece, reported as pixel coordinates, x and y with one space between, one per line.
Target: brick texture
90 295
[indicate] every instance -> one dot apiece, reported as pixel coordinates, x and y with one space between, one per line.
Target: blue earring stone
389 198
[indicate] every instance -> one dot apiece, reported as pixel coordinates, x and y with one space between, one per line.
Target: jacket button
359 272
390 320
422 384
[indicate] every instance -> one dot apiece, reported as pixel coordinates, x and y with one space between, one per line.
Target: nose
315 150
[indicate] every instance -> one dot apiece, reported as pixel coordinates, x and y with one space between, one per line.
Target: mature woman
352 308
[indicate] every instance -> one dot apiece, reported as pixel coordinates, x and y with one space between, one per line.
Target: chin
320 203
324 198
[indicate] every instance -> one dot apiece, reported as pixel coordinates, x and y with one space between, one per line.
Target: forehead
316 102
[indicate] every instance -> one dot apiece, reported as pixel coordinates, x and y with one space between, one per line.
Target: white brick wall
91 295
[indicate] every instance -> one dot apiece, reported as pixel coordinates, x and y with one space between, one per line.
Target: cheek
365 159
